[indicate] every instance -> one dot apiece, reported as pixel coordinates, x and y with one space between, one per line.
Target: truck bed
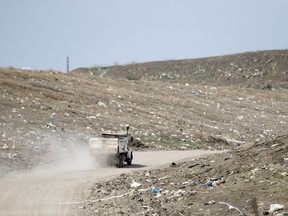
103 145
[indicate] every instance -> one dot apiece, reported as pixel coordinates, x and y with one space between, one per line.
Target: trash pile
251 181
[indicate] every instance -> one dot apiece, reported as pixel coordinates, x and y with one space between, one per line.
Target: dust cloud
68 153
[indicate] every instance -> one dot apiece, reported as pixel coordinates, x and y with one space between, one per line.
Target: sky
41 34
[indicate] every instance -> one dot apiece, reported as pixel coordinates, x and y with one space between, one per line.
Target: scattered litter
233 207
143 189
162 178
90 117
50 125
158 195
177 193
165 192
155 190
135 184
146 207
53 116
189 182
212 202
204 165
214 182
275 207
195 93
208 183
101 104
193 165
150 180
5 147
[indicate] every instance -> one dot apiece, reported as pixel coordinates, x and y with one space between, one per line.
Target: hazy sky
40 34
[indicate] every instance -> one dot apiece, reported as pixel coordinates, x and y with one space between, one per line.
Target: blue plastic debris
209 183
155 191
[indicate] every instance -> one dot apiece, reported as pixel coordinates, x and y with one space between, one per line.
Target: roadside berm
248 181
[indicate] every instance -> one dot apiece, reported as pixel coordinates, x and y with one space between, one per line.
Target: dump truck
113 147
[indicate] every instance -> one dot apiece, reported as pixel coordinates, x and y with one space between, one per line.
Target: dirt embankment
250 180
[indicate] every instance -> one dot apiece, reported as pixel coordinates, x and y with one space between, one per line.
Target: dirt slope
235 102
163 113
262 69
250 179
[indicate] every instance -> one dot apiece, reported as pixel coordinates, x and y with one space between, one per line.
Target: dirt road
52 192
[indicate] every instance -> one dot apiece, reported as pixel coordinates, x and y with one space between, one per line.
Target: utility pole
67 64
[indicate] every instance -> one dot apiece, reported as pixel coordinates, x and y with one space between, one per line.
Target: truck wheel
129 161
121 160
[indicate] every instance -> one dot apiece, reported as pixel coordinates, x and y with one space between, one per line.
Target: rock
286 161
10 155
173 164
5 92
137 197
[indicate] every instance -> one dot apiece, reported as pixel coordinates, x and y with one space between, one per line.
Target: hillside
237 103
262 69
186 104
